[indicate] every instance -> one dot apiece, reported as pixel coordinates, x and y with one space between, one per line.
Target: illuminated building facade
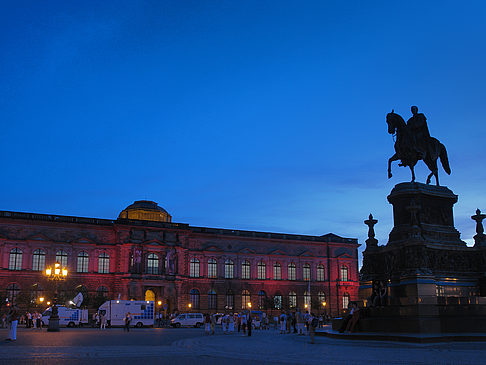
144 255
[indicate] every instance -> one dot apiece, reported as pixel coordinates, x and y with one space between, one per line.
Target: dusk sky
255 115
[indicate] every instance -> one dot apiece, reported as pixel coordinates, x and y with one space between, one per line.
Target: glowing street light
41 299
249 305
57 274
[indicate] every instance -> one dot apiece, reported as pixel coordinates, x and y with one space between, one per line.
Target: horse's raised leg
390 160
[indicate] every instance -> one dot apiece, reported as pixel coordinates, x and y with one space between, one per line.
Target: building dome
145 210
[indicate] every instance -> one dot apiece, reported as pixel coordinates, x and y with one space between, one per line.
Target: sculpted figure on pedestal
414 143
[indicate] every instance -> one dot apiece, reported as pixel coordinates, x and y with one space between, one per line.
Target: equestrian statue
414 143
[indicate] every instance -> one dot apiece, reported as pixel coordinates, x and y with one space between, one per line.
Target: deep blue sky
259 115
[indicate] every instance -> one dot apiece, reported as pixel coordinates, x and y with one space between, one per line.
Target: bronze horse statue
409 155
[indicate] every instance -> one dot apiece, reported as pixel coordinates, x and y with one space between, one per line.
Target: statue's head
414 109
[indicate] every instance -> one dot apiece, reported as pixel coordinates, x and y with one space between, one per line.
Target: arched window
152 264
15 259
212 268
345 301
320 273
245 270
306 272
262 299
38 260
291 271
322 299
262 270
104 263
12 292
194 298
229 269
344 273
245 299
83 262
230 299
292 300
212 299
277 271
102 292
307 300
62 257
194 268
149 295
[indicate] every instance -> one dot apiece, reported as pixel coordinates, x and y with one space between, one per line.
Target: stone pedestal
432 278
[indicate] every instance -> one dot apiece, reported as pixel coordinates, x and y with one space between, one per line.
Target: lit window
194 268
292 270
194 298
245 299
152 264
83 260
262 270
212 268
306 271
229 269
307 299
277 301
38 260
292 300
320 273
104 263
345 301
277 271
62 258
245 270
344 273
15 259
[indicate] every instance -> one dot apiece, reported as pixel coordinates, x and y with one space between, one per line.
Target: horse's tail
444 159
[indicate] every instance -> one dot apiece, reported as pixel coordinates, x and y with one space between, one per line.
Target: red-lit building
143 255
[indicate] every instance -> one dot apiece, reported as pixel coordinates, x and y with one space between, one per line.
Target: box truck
69 317
142 312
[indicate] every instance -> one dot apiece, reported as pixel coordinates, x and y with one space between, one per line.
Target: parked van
142 312
188 319
69 317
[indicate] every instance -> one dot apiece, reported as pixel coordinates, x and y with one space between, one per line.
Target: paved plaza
190 346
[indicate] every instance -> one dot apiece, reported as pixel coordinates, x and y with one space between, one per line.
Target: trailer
69 317
142 312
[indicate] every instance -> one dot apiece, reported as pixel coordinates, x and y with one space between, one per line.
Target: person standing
283 323
103 321
213 323
128 319
207 323
13 320
250 320
313 323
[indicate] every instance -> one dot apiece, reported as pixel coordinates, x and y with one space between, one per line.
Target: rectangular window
262 268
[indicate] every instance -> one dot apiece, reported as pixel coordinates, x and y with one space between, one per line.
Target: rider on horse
419 132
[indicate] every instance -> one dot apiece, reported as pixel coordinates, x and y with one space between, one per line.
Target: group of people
300 323
242 322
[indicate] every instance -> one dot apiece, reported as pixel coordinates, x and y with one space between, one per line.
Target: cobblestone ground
191 346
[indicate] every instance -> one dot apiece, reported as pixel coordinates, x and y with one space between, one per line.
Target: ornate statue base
425 280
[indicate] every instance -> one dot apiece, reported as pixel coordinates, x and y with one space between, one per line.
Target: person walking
250 323
13 320
213 323
283 323
128 319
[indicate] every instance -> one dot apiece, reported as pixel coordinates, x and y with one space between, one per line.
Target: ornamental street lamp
57 274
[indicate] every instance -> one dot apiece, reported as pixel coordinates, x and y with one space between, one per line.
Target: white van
142 312
69 317
188 319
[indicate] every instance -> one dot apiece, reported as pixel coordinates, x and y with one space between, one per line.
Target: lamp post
56 274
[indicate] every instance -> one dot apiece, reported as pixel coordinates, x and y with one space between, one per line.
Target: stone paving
189 346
